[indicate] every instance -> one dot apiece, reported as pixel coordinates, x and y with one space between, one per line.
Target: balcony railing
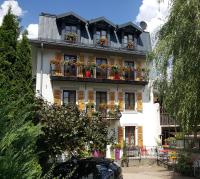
167 120
89 44
104 111
85 72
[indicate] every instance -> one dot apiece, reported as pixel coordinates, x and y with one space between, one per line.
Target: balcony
107 112
97 74
167 120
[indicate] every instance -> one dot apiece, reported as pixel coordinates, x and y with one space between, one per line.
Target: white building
98 64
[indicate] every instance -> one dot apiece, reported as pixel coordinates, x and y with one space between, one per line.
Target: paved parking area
150 172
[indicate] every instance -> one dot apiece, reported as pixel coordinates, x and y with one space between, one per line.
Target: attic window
101 34
71 29
128 38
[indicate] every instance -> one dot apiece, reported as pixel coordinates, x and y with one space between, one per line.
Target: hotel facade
99 66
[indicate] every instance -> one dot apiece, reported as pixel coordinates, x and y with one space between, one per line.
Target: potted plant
71 36
103 41
55 66
88 70
115 71
117 151
90 105
130 45
55 62
103 66
103 106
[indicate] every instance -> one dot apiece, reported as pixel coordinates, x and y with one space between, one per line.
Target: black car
88 168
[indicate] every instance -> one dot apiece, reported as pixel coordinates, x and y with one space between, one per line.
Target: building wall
148 118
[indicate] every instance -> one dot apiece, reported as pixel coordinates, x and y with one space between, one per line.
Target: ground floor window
69 97
130 135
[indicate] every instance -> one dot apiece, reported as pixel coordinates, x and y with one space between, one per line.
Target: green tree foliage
179 41
18 141
18 134
9 33
65 129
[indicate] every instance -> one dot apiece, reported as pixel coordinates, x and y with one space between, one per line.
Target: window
129 101
130 135
128 38
70 29
101 101
101 70
130 74
73 29
101 34
98 35
69 97
70 67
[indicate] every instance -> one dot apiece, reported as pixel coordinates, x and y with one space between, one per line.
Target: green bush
184 165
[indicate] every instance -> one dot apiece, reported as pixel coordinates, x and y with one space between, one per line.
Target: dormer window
101 37
129 41
128 38
71 33
71 29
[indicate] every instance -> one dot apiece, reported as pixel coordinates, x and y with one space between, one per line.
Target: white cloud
16 9
32 31
154 14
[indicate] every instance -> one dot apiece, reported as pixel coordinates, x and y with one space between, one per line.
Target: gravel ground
150 172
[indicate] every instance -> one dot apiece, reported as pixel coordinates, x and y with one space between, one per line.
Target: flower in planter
55 62
90 105
103 66
103 106
96 113
78 63
71 36
102 41
123 68
130 45
118 146
115 69
88 69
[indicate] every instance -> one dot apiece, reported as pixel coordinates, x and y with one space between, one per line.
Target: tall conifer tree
18 134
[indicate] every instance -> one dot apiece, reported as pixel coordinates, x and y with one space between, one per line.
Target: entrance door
130 135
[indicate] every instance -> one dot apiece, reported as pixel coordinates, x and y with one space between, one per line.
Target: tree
18 134
178 48
9 33
65 129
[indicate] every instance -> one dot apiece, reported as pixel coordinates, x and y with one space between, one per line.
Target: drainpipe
86 28
41 69
115 32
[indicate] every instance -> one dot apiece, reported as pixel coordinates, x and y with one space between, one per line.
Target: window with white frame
69 97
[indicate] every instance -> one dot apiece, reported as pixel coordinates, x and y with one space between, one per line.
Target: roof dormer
130 27
71 17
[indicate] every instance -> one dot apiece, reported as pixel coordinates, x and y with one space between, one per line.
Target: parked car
88 168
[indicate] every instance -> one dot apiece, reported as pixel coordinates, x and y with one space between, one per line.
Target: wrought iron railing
91 44
96 73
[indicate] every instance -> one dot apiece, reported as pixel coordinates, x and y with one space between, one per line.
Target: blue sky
118 11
